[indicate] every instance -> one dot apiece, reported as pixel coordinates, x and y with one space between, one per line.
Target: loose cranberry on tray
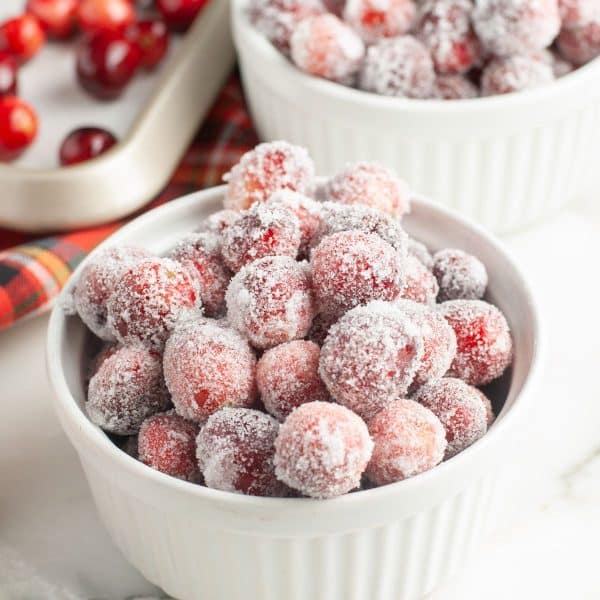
57 17
18 127
22 37
105 15
84 144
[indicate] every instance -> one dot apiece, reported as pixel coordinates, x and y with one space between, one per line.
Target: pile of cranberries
440 49
115 41
292 345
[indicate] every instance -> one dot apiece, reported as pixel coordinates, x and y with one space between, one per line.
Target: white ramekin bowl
391 543
505 161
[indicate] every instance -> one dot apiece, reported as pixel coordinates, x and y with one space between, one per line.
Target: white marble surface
52 545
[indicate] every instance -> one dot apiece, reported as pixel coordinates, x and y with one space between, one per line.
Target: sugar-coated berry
580 44
287 376
277 19
127 388
555 61
9 76
514 74
97 282
322 450
509 27
445 28
105 15
420 252
460 409
208 366
149 299
85 143
370 184
338 217
578 12
460 275
22 36
400 66
167 443
152 39
377 19
418 283
439 342
219 221
106 351
18 127
489 409
326 47
57 17
454 87
265 229
201 252
270 301
408 439
351 268
370 357
235 451
483 340
269 167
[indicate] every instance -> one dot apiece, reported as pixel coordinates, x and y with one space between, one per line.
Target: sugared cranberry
559 65
149 299
580 44
326 47
180 14
322 450
514 74
106 63
266 229
57 17
105 15
483 340
202 253
370 357
167 443
509 27
8 74
454 87
22 37
287 376
577 12
219 221
127 388
266 169
418 283
18 127
152 38
399 66
97 282
445 28
377 19
351 268
270 301
487 404
460 275
84 144
460 409
408 439
370 184
208 366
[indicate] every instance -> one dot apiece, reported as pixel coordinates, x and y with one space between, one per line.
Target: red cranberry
179 14
8 74
18 127
22 37
152 38
106 63
84 144
57 17
105 15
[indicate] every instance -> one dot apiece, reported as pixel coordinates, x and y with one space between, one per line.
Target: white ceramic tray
154 120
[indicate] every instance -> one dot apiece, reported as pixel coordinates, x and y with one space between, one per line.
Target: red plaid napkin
33 271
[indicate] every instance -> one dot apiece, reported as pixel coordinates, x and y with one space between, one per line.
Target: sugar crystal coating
167 443
514 74
483 340
454 87
408 439
288 376
490 417
270 301
574 13
420 252
370 357
460 275
208 366
235 451
418 283
377 19
322 450
580 44
127 387
265 169
459 408
219 221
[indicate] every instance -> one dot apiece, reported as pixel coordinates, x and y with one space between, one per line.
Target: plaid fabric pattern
33 271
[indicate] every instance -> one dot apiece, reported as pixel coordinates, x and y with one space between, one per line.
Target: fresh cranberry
84 144
8 74
179 14
22 37
152 38
106 63
105 15
57 17
18 127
